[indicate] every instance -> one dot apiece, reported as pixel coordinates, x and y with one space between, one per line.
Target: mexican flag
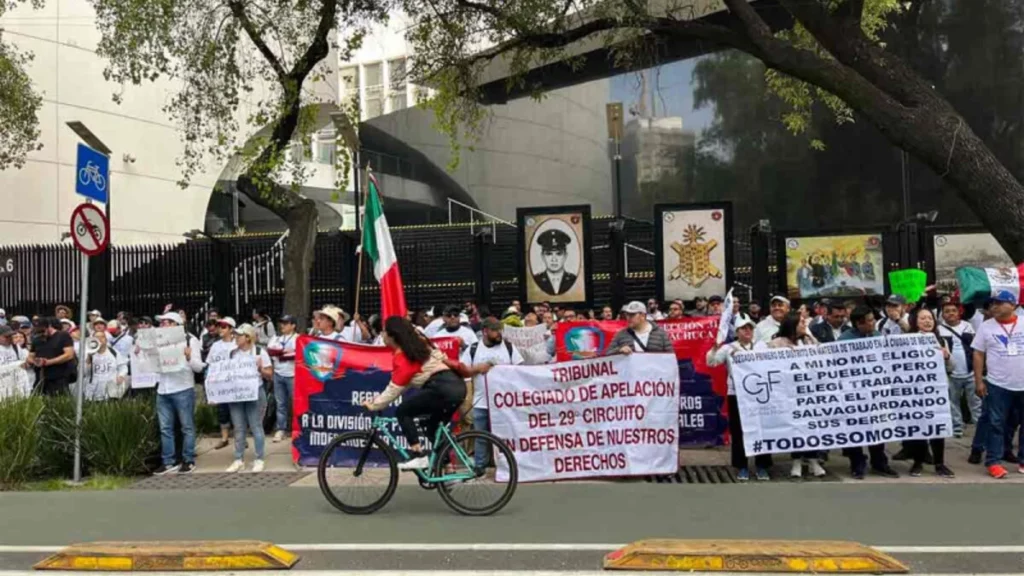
378 248
977 284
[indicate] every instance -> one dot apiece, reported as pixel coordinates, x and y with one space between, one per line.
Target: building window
374 91
297 151
325 146
350 84
399 98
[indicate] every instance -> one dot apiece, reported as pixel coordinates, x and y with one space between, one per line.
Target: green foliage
117 437
206 419
57 444
19 102
242 67
19 438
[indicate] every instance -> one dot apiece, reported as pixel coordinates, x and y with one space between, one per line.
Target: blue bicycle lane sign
92 174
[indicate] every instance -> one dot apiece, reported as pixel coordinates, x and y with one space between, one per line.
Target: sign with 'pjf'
842 394
92 174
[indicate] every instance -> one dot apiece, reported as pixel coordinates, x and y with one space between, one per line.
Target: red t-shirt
403 370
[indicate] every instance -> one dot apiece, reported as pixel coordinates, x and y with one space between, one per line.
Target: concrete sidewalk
279 459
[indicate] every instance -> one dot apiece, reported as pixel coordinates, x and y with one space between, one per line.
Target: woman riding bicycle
418 363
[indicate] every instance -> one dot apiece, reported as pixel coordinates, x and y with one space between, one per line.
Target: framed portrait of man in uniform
554 248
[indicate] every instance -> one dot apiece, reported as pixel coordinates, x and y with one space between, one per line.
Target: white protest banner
143 369
531 343
14 381
610 416
159 350
236 379
728 317
842 394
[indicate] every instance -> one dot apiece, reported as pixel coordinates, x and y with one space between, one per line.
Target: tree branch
319 47
238 10
851 11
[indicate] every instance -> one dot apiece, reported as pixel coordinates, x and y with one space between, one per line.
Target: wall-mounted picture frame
839 264
554 254
695 250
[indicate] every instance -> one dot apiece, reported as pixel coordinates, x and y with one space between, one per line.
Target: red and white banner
611 416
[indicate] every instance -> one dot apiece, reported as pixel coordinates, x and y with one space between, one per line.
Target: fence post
759 238
482 248
617 245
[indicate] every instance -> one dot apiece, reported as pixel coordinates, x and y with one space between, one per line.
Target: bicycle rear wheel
478 493
356 487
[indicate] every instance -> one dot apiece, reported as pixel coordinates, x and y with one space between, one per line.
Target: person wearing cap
896 320
176 403
999 376
67 325
715 303
106 371
639 335
250 414
722 354
54 354
863 320
454 328
282 353
769 327
554 280
119 339
834 325
62 312
480 357
220 351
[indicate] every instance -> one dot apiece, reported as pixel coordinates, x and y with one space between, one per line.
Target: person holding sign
419 364
220 351
923 321
176 402
793 333
722 354
249 413
999 348
639 335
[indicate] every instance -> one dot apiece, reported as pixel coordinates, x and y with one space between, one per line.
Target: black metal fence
440 264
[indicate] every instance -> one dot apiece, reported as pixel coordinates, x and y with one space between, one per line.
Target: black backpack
472 351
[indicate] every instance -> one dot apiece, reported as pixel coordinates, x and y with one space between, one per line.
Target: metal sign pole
80 393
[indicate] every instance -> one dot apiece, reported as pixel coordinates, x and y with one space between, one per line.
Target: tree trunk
298 260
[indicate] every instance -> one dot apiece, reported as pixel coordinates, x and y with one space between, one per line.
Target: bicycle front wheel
350 475
472 488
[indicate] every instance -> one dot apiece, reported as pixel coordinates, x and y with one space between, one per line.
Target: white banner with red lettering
609 416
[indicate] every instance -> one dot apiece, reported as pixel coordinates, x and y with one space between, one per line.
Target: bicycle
379 445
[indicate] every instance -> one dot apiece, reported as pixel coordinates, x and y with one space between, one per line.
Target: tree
828 51
19 103
242 64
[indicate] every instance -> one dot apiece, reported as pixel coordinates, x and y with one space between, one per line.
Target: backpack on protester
466 408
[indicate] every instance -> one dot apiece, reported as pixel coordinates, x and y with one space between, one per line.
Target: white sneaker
278 436
816 469
797 470
420 463
258 466
236 466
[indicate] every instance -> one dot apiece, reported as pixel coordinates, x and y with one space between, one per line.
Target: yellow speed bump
752 556
164 556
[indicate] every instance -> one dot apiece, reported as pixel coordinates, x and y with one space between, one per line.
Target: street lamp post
617 231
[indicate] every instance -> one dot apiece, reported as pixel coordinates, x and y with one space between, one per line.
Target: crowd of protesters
983 348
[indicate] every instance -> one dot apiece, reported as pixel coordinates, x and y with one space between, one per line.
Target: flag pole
359 265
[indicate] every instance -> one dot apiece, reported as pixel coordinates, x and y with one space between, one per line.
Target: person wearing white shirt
106 371
120 340
480 357
453 328
958 336
896 321
220 351
999 374
282 353
722 354
327 320
176 401
11 354
264 326
250 414
769 327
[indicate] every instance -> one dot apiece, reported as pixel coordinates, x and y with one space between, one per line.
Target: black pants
437 402
57 386
739 453
223 416
918 450
857 460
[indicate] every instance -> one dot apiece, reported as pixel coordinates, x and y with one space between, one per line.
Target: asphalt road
912 520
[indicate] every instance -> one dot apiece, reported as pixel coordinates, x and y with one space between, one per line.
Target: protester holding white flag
723 355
